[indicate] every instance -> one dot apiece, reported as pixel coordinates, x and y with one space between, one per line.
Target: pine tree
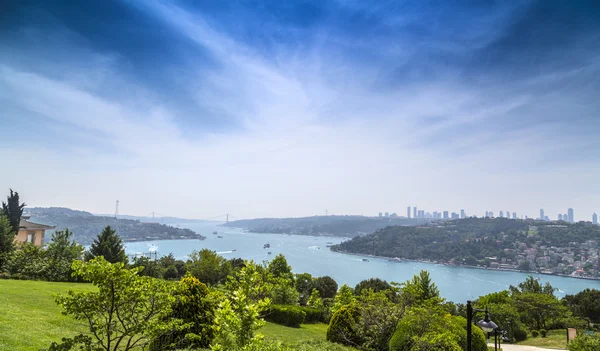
6 240
13 210
109 245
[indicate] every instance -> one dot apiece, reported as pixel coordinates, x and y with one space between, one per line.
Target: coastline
465 266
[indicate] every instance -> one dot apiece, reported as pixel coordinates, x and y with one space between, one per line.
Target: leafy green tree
279 268
171 272
304 285
374 284
195 307
532 285
315 300
148 267
238 316
109 245
378 319
326 285
344 297
209 267
126 312
61 253
539 310
7 241
585 303
13 210
283 291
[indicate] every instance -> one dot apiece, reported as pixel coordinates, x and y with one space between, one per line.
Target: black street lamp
486 324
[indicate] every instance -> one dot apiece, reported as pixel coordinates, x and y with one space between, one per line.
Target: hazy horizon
289 109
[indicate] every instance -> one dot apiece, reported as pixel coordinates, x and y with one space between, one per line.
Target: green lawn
556 339
30 319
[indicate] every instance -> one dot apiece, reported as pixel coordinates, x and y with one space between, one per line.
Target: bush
342 328
543 333
535 333
313 315
520 334
585 343
290 316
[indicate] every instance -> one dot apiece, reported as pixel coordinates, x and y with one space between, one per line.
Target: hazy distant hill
86 226
349 226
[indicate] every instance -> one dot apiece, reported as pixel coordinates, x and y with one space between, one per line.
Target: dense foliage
290 316
468 240
7 244
13 210
585 304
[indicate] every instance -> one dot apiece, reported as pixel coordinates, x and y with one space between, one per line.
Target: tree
342 328
532 285
7 241
126 312
420 290
208 267
538 310
279 268
378 319
304 285
343 297
61 252
148 267
13 210
238 316
29 262
109 245
315 300
194 307
585 304
374 284
326 285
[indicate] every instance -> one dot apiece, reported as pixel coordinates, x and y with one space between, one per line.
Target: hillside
85 226
557 247
348 226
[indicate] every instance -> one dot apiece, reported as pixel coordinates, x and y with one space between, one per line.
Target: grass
30 318
555 339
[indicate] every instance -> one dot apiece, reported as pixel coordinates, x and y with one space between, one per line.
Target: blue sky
291 108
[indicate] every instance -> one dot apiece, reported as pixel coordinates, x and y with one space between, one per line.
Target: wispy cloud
326 120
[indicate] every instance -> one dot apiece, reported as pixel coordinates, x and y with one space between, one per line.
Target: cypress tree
109 245
13 210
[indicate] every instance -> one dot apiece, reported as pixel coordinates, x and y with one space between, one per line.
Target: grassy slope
31 320
555 339
29 317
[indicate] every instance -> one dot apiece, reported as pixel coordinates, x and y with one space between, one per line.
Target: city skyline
280 108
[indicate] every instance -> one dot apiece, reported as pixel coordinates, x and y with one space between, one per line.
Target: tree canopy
13 210
109 245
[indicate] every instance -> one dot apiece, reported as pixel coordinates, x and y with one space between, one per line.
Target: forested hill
86 226
476 238
322 225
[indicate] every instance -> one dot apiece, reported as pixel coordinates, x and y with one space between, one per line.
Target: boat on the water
268 253
220 237
365 260
395 259
266 246
215 232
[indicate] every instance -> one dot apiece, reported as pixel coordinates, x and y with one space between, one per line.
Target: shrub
192 305
543 333
342 327
313 315
585 343
290 316
535 333
520 334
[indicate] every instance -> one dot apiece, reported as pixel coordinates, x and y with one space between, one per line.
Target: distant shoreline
466 266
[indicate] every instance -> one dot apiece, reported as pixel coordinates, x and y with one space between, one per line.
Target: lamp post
485 324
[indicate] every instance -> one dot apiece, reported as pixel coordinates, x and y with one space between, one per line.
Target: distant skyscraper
491 213
462 214
445 214
571 215
542 217
380 214
514 215
408 212
501 214
421 214
560 217
455 215
595 219
387 214
487 214
415 212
